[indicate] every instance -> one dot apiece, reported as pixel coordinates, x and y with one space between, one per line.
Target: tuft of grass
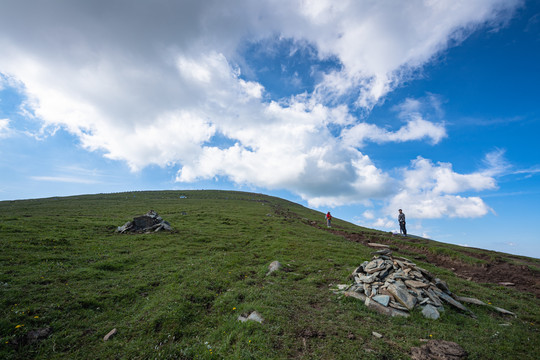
178 295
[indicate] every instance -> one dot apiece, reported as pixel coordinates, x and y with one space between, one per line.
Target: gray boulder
148 222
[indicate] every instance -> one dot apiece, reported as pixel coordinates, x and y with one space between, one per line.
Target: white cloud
5 130
496 163
63 179
368 214
430 191
384 223
415 129
382 43
149 83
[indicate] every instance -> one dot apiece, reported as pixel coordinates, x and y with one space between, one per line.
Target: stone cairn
148 222
394 286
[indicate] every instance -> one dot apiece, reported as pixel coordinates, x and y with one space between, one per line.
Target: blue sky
358 108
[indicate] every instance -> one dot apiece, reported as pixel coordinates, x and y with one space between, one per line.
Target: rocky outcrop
149 222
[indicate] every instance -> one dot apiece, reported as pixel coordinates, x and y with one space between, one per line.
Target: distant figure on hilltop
328 219
401 220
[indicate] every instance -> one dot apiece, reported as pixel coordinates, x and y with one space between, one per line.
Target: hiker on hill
401 220
328 219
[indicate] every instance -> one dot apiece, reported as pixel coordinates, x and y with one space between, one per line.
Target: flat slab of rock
503 311
376 245
355 295
371 304
367 279
453 302
470 300
110 334
416 284
402 296
384 300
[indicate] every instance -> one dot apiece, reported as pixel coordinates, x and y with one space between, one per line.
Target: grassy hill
177 295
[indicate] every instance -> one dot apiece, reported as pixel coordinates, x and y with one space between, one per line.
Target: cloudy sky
354 107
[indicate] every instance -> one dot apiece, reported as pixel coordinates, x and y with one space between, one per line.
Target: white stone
430 312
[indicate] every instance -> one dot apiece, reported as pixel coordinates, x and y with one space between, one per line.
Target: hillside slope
68 278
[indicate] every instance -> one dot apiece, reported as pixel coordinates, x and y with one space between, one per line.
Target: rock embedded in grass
110 334
253 316
274 266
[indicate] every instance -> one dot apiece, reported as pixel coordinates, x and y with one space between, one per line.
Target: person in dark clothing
401 220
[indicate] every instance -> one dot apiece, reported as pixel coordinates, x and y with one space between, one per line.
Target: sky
359 108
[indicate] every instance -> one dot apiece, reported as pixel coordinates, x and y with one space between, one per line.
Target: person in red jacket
328 219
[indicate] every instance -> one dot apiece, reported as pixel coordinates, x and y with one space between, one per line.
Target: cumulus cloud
154 83
430 191
415 129
416 126
382 43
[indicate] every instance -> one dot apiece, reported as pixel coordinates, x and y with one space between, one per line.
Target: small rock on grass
254 316
376 334
503 311
274 266
110 334
38 334
470 300
377 245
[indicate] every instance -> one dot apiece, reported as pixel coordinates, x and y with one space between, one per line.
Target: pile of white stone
395 286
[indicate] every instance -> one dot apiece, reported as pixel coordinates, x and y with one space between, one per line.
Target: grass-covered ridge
178 295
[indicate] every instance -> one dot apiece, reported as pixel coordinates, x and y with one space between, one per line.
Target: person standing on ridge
401 220
328 219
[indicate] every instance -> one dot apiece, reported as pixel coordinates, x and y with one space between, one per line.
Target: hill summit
69 280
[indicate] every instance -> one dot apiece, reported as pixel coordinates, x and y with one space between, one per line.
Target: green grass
178 295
